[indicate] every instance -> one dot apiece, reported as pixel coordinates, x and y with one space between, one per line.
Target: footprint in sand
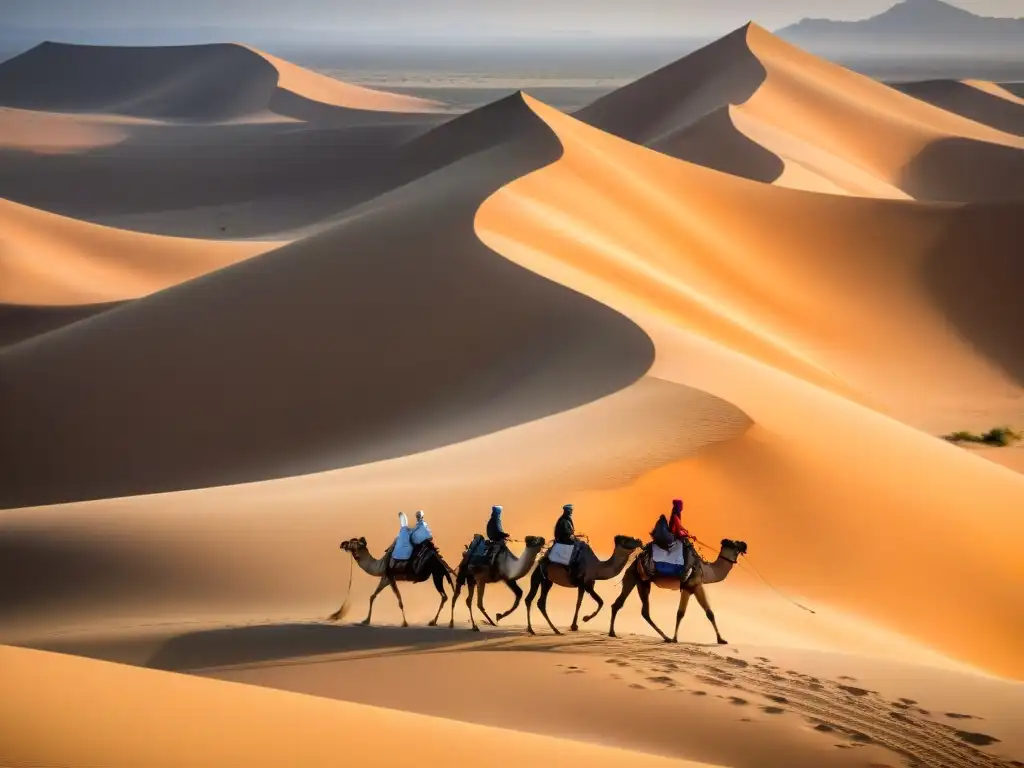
662 680
908 702
958 716
737 662
737 701
977 739
854 691
848 678
772 710
778 699
824 728
700 693
637 686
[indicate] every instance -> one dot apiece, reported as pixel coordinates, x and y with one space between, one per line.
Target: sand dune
115 715
694 276
514 307
52 260
196 82
979 100
465 343
824 125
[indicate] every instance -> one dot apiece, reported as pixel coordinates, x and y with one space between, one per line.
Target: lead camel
640 576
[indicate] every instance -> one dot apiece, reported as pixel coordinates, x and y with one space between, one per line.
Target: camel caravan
668 561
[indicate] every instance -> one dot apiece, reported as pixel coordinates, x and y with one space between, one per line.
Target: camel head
735 548
628 543
535 541
354 546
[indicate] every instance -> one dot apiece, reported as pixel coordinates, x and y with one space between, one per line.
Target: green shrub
997 436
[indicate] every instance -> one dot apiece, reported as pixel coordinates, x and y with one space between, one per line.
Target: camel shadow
231 646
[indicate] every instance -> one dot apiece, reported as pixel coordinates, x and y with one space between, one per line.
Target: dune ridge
819 120
578 222
510 343
208 83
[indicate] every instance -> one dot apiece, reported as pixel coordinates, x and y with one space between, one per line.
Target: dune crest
622 224
830 129
979 100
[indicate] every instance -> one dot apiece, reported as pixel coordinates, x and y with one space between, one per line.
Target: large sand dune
196 82
517 307
217 141
281 376
829 129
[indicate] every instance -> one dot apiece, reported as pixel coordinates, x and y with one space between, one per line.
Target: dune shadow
965 170
277 642
975 271
715 142
970 102
20 322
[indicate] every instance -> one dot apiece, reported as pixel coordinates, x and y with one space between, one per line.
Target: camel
587 570
704 573
433 566
505 568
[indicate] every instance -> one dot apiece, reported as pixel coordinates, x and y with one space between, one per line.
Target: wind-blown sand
521 308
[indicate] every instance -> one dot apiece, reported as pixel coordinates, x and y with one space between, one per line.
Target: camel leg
597 599
542 604
481 586
684 598
518 592
401 606
702 598
535 579
380 588
470 588
458 589
629 581
575 627
643 589
439 586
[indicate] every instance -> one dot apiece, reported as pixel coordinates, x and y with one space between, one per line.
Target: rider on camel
565 531
421 531
402 548
494 530
675 525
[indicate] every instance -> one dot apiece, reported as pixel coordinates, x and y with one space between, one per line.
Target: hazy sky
456 18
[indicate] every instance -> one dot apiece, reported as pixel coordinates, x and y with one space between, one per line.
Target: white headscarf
403 521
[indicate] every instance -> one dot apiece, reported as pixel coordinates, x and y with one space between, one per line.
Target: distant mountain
909 27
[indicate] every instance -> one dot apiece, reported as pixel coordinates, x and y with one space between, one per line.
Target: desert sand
753 105
521 307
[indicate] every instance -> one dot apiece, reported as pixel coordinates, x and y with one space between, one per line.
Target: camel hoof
474 628
557 632
432 624
364 623
612 634
722 641
587 618
530 630
451 625
574 628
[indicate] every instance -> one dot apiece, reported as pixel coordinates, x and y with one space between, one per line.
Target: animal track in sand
958 716
830 707
772 710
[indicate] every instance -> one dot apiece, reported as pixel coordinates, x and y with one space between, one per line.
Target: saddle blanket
673 556
560 553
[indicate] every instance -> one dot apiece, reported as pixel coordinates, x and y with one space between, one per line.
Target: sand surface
247 312
753 105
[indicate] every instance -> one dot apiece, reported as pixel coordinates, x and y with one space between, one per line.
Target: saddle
482 552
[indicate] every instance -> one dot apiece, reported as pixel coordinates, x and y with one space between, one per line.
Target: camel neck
612 567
